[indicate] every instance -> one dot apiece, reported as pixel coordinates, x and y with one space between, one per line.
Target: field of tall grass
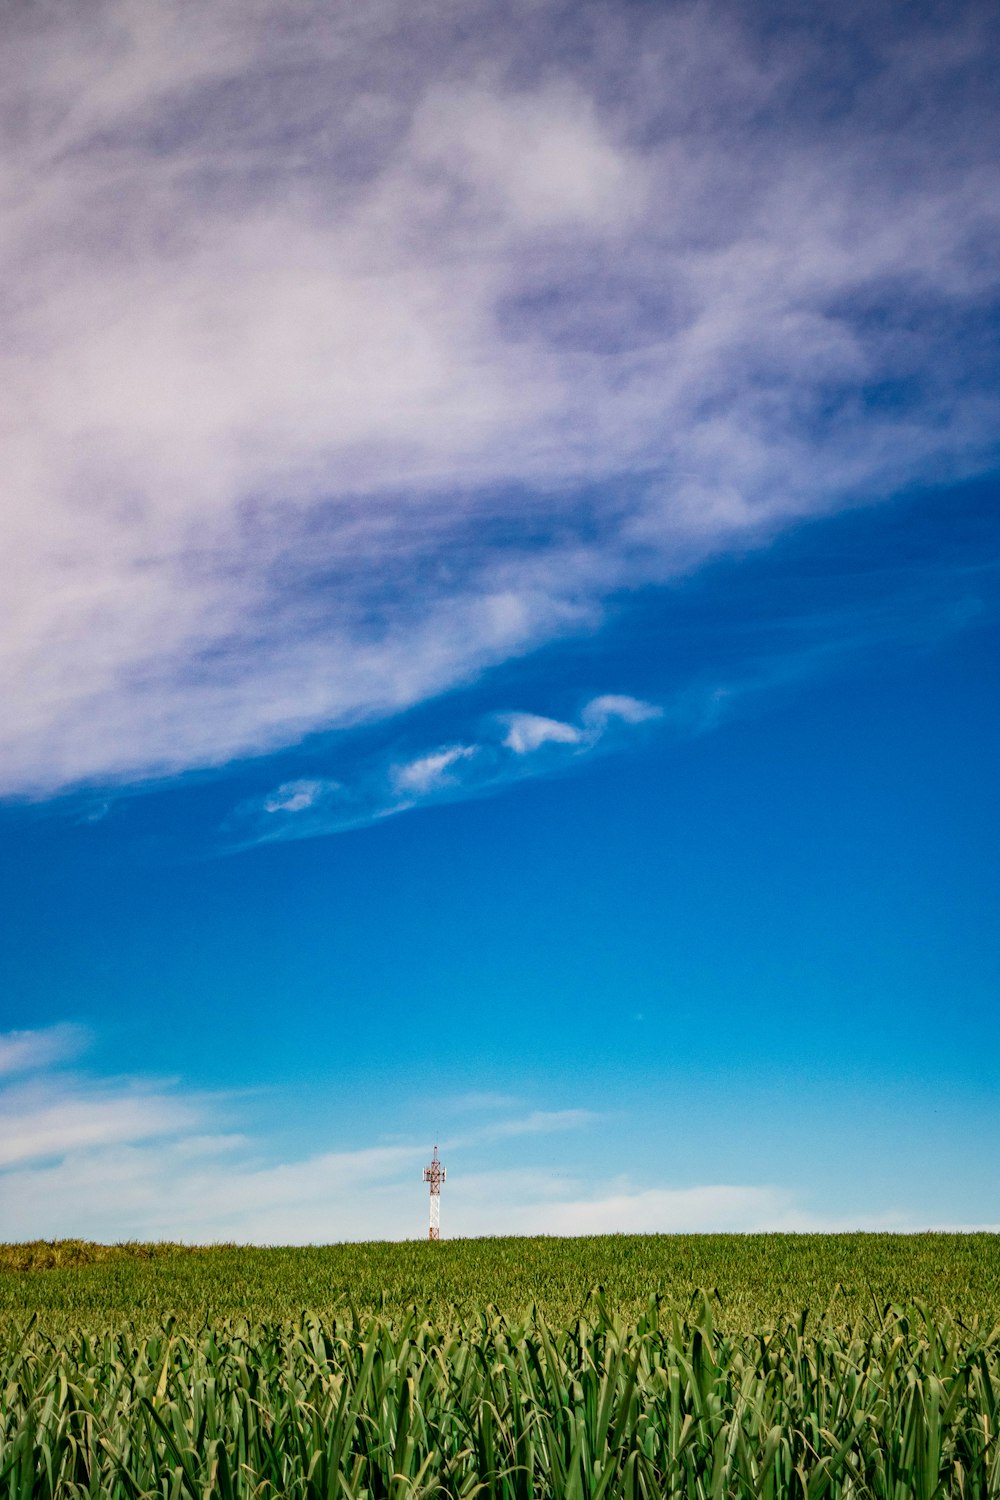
701 1366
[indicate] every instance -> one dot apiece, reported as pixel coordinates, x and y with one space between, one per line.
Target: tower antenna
435 1174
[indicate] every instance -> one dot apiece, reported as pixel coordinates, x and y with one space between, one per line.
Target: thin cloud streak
31 1051
513 746
538 1122
348 357
49 1123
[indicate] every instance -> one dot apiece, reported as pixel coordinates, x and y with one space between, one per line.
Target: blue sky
500 620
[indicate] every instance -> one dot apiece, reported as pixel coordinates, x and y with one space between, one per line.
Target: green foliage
904 1406
754 1279
394 1386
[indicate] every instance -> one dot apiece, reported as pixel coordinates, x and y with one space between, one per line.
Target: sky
499 617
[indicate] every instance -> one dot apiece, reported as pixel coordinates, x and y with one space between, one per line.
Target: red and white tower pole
435 1174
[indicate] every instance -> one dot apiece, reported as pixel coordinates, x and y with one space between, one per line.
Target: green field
696 1366
753 1280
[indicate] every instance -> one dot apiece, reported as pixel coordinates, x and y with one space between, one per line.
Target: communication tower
435 1174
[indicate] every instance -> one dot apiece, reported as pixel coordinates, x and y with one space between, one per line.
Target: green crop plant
906 1405
753 1279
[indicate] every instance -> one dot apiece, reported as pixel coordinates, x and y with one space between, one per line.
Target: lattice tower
435 1174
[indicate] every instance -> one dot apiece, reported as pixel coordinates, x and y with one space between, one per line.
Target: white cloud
537 159
599 712
28 1051
297 796
196 1191
51 1122
528 732
296 322
430 772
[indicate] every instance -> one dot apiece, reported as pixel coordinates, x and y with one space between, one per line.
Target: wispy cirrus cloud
53 1104
528 732
31 1051
431 772
605 709
539 1122
52 1120
511 746
350 354
298 796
